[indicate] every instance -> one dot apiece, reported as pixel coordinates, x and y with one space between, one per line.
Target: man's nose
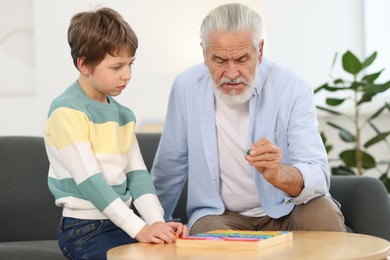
231 71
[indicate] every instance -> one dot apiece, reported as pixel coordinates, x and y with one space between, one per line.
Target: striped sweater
96 167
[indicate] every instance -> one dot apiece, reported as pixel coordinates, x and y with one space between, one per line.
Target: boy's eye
116 67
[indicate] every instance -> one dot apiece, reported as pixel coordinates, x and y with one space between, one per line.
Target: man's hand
266 157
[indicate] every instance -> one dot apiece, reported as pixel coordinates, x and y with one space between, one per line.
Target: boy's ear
82 66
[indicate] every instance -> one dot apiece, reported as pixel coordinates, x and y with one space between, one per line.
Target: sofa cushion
27 207
32 250
364 203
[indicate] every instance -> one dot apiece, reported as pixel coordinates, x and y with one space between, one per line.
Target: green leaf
376 129
372 77
347 136
342 170
371 89
334 101
334 125
323 137
355 86
376 139
328 147
334 112
374 89
384 87
338 81
333 89
334 60
365 98
320 87
367 62
384 176
377 113
386 181
344 134
349 158
351 64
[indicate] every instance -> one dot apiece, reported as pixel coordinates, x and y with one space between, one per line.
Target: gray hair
232 18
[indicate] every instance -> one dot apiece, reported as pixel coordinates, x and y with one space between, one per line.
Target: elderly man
243 132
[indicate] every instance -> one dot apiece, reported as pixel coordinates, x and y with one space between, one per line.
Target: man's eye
243 59
219 61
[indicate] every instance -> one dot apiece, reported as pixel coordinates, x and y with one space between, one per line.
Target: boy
96 168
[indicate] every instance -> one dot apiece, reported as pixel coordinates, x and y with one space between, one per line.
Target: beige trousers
319 214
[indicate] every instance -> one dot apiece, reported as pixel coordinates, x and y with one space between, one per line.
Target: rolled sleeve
315 184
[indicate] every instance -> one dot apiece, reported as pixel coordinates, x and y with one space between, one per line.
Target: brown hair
94 34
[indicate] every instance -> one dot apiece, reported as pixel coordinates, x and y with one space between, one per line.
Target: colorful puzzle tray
235 239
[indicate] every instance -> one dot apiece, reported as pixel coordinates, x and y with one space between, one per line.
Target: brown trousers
319 214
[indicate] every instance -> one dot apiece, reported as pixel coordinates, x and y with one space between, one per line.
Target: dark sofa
29 218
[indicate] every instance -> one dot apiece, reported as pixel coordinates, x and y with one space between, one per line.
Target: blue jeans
89 239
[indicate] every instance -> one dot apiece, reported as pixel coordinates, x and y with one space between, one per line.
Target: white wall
300 34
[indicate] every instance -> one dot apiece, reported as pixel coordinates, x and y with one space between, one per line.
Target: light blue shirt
282 109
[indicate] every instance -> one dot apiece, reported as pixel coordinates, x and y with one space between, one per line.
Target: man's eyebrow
244 56
215 56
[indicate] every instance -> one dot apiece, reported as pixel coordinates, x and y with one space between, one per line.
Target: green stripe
68 188
122 191
64 188
99 193
140 183
99 113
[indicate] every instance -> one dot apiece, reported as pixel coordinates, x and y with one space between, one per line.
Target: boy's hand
180 229
158 232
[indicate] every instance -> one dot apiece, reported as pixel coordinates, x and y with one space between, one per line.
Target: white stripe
135 160
150 208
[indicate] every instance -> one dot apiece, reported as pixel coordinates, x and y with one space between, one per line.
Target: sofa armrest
365 204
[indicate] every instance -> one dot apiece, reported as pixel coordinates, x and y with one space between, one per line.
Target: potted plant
359 89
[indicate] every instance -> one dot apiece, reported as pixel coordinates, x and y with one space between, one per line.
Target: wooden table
305 245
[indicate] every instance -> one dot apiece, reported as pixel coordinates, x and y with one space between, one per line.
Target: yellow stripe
105 138
67 126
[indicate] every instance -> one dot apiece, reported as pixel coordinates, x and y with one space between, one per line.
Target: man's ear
261 45
82 66
204 54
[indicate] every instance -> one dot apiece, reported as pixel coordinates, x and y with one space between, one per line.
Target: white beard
234 98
